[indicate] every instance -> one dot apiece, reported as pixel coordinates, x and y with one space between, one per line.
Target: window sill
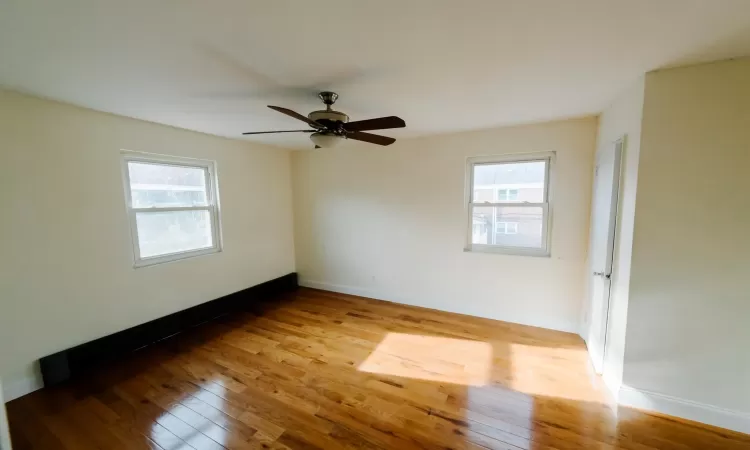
514 251
171 257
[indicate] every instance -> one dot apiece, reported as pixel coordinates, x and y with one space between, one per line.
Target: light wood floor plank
320 370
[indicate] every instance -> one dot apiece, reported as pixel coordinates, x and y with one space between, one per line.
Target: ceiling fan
330 127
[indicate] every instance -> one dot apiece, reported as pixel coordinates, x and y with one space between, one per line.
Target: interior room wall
390 223
4 431
622 118
67 267
687 329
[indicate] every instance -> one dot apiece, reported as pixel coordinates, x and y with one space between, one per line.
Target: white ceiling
442 66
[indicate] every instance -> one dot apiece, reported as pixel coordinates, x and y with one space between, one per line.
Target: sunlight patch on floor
554 372
431 358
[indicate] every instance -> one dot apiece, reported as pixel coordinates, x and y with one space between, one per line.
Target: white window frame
546 205
212 195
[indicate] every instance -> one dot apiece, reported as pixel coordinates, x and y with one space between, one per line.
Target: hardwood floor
330 371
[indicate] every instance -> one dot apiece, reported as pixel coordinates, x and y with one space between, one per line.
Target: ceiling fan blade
381 123
284 131
371 138
297 116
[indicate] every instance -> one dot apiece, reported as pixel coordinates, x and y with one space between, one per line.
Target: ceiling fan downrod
328 98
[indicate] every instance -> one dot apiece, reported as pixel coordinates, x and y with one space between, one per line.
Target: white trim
595 358
212 206
686 409
598 351
170 257
511 157
166 187
499 249
509 204
612 384
208 208
456 307
471 162
19 388
167 160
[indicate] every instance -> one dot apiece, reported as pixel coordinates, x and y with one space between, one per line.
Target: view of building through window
159 186
513 193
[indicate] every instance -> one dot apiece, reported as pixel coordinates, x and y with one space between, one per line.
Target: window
516 219
505 195
172 205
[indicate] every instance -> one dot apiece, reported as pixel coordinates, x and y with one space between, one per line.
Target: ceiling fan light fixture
326 140
330 127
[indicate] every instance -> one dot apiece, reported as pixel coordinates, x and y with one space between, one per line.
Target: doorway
606 191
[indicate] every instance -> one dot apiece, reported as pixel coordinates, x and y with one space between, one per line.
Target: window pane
506 195
507 226
160 233
160 185
483 195
513 182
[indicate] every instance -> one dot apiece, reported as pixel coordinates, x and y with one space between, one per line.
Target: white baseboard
613 385
342 289
18 388
686 409
369 293
610 382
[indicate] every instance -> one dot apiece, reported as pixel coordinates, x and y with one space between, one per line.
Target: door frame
598 357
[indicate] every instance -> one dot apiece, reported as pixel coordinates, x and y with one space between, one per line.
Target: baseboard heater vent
75 361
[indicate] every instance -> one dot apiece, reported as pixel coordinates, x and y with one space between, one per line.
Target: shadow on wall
309 375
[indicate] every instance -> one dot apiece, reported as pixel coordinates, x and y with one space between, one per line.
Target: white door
603 224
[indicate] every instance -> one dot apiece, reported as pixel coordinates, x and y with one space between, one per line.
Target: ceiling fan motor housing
322 116
329 118
331 127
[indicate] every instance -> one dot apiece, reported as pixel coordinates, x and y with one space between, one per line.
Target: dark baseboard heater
78 360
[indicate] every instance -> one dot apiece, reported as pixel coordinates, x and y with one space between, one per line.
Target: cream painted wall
389 222
688 329
621 118
4 431
67 269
